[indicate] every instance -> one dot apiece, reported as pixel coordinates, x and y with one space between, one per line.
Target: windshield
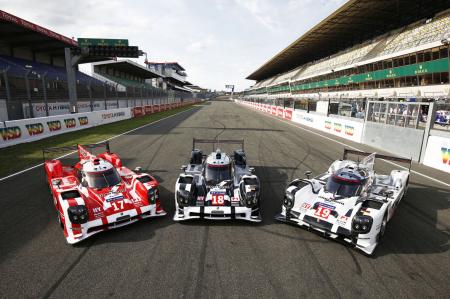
341 187
104 179
215 174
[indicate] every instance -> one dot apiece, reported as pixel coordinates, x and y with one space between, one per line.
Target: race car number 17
322 212
218 200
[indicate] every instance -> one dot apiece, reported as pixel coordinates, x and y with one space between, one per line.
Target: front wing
363 242
79 232
217 213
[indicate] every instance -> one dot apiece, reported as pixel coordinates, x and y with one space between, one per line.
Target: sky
218 42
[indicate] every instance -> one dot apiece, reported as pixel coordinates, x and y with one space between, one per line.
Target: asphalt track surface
160 258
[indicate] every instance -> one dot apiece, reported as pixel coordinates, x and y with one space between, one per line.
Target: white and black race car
217 186
349 202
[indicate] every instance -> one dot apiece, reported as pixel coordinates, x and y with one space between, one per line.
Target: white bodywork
315 208
220 201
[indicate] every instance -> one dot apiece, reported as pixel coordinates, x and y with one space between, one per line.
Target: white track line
346 145
113 137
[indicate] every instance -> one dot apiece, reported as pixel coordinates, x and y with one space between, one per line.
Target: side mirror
138 169
184 167
84 183
308 173
251 169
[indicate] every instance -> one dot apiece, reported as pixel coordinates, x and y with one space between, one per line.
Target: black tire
382 228
59 220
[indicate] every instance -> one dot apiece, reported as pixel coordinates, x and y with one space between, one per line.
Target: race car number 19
322 212
218 200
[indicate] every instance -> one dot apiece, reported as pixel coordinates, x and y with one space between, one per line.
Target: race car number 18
322 212
218 200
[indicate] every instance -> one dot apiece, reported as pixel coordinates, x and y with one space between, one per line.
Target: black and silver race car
217 186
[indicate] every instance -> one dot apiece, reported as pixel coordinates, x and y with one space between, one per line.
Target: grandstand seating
409 37
18 68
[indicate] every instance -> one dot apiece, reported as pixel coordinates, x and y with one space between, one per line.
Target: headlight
78 214
362 224
288 201
151 195
183 197
251 199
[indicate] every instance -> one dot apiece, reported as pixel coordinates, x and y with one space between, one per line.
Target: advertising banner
437 154
31 129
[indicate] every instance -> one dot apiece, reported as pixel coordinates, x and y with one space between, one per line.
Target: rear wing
377 156
74 148
217 142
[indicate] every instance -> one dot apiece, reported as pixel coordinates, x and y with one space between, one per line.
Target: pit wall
437 153
345 128
32 129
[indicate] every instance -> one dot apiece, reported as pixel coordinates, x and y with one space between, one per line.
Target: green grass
18 157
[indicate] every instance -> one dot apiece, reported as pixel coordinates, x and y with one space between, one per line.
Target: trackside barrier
32 129
437 153
149 109
345 128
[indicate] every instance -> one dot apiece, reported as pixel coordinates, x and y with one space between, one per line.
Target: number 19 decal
322 212
218 200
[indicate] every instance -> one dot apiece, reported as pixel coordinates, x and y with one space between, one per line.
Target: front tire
382 228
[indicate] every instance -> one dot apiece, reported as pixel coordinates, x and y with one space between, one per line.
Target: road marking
352 147
113 137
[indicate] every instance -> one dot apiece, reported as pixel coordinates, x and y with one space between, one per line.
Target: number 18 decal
218 200
322 212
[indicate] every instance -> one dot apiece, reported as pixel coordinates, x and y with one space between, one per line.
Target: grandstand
34 80
365 50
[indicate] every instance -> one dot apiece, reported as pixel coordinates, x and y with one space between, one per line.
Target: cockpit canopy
345 183
216 173
99 174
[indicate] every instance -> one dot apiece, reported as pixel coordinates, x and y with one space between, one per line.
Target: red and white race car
98 193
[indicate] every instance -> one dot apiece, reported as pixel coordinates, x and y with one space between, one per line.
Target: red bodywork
92 210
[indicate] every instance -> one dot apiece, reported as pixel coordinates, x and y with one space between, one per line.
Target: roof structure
353 23
129 67
18 32
174 65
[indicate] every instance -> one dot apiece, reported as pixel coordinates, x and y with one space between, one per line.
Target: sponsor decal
342 220
349 130
327 124
115 114
54 125
288 114
445 155
304 207
337 127
84 120
148 109
113 197
327 206
35 129
70 123
308 119
10 133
